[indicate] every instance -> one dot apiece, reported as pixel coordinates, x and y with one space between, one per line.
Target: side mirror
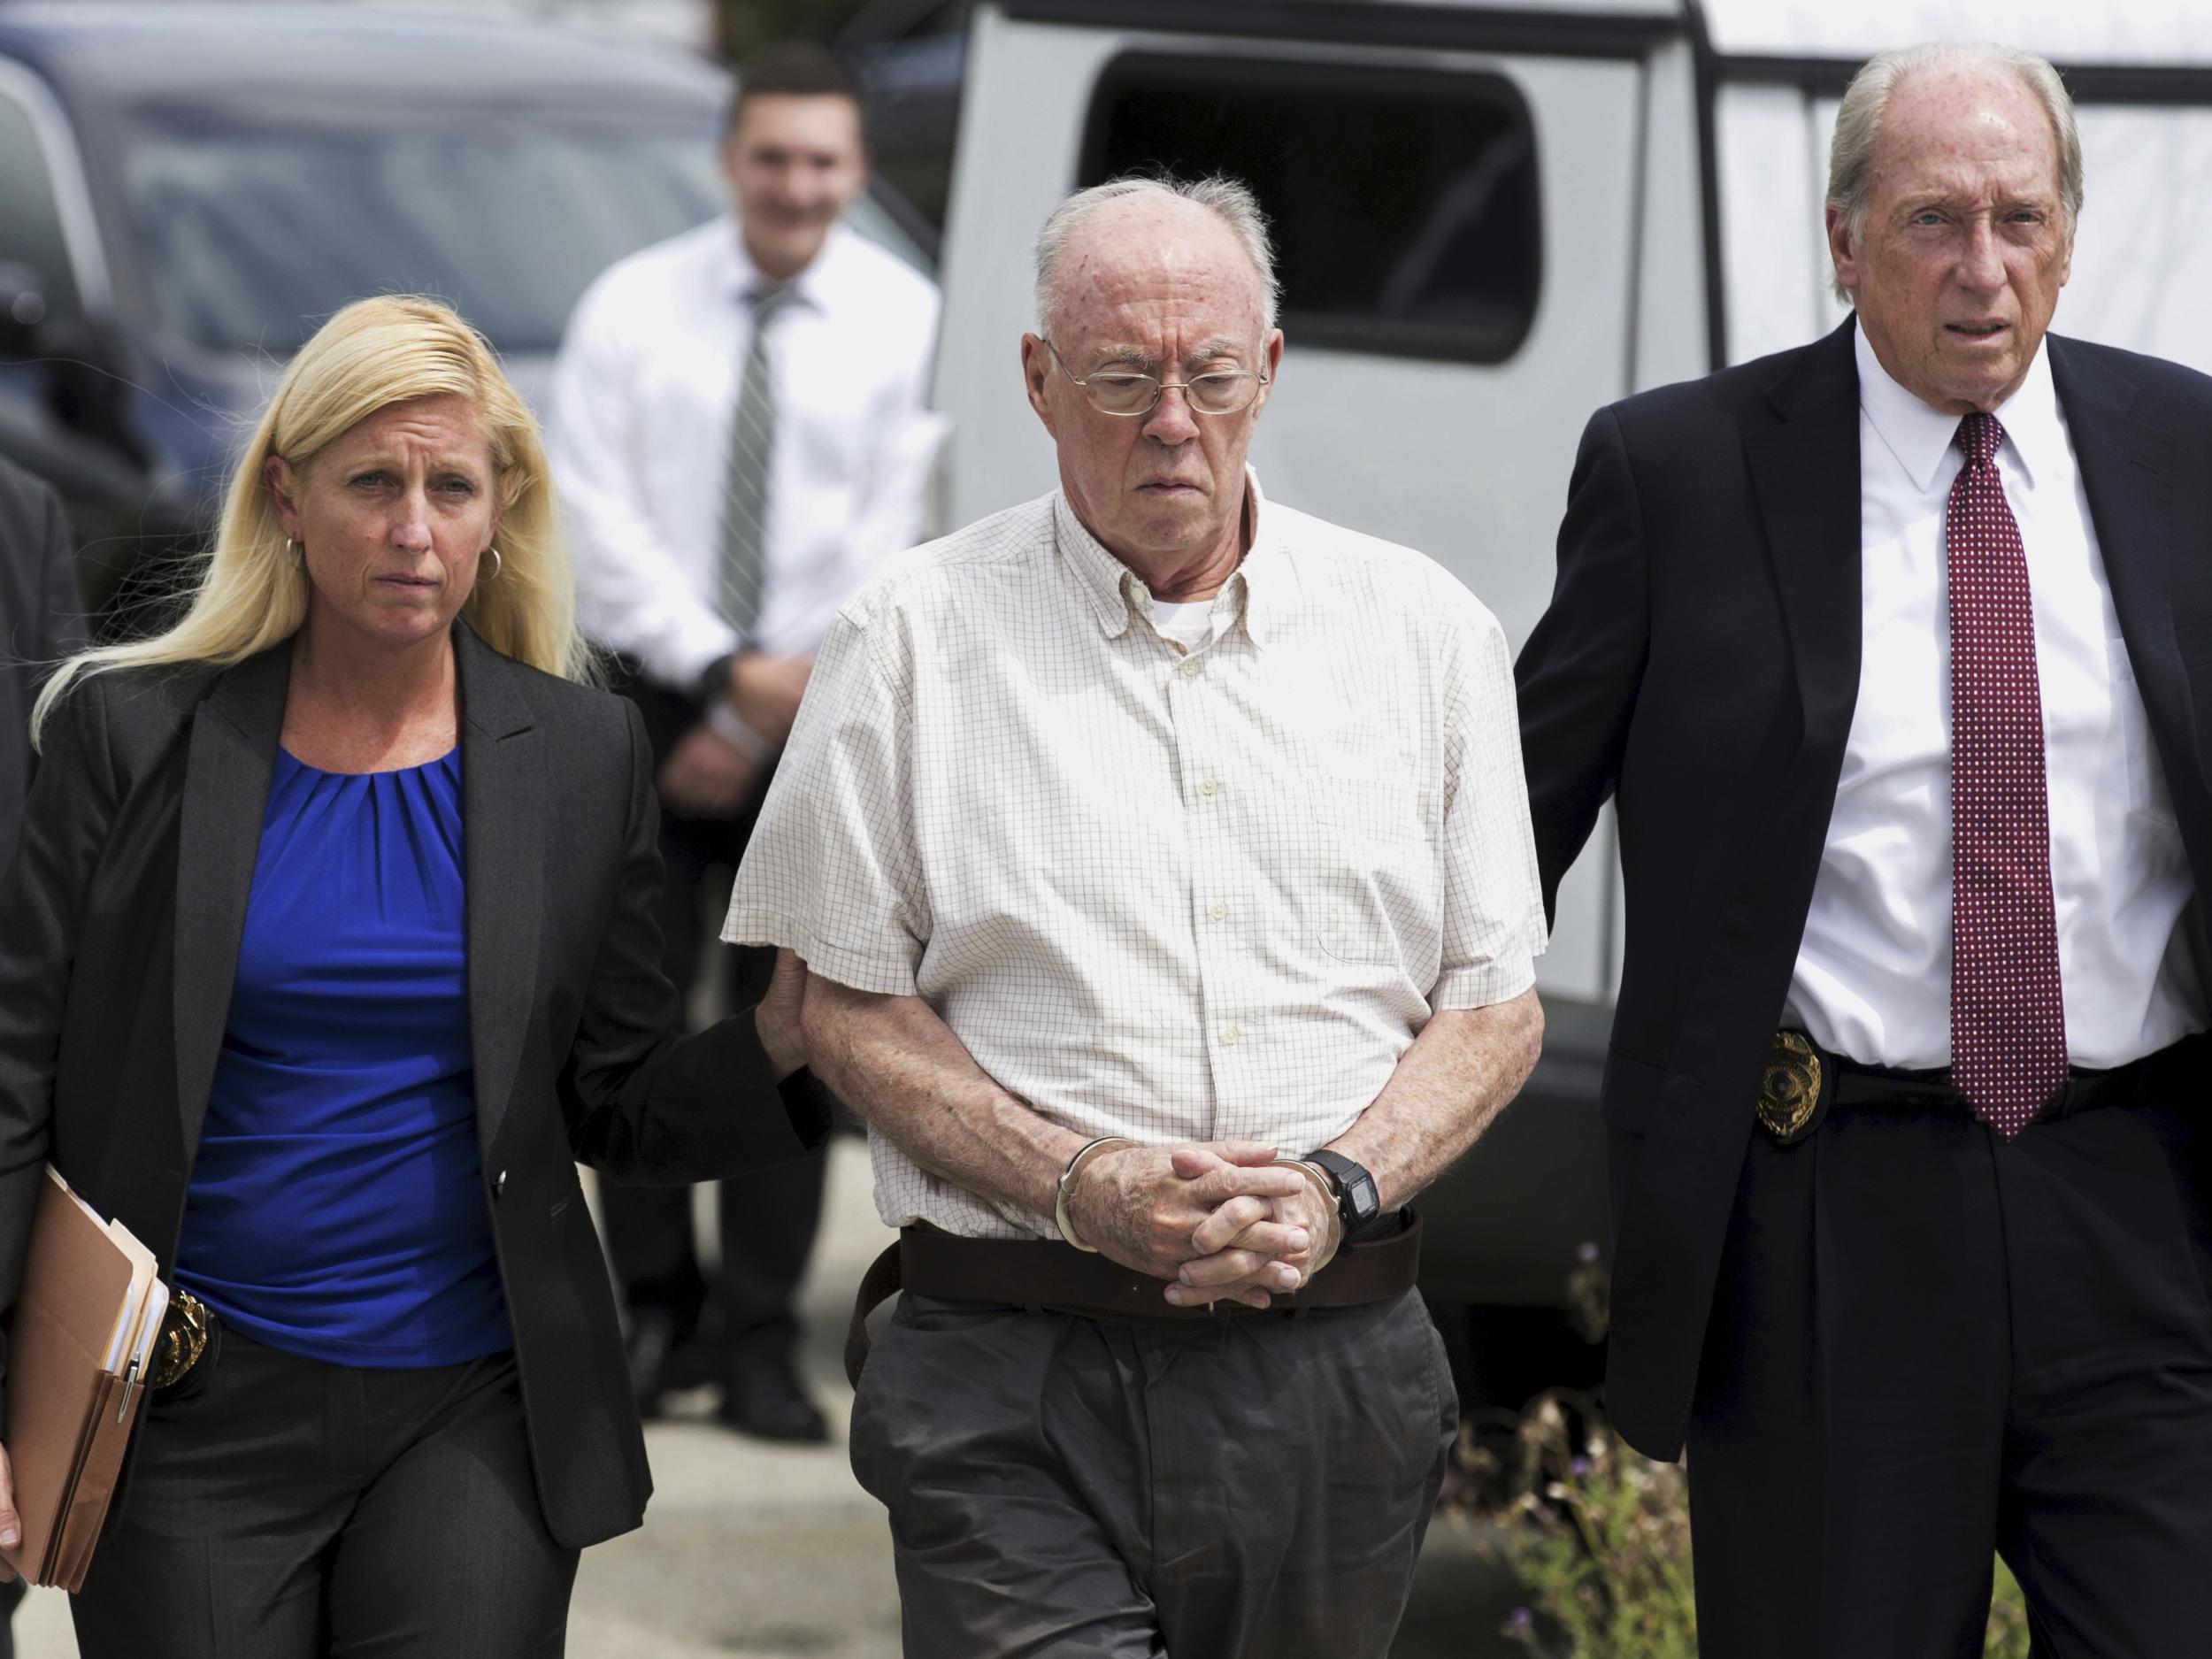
22 308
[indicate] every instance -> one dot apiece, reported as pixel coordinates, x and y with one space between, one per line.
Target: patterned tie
745 483
2008 1019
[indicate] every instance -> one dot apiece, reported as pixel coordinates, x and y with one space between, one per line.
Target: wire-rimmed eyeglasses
1127 393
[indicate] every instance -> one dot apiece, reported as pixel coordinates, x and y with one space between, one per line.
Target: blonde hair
253 592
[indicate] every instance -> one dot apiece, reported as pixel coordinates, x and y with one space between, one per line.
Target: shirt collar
740 277
1920 437
1116 593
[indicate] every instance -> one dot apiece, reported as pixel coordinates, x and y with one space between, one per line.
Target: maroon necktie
2007 1020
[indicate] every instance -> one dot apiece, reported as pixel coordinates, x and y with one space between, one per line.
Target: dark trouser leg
447 1551
1927 1343
1064 1486
2108 1516
1003 1551
217 1551
1845 1447
649 1228
768 1222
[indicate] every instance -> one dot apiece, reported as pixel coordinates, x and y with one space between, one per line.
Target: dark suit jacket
1700 663
119 942
40 623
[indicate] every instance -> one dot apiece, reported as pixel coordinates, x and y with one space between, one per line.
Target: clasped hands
1219 1219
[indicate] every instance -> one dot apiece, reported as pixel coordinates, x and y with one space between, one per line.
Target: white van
1494 219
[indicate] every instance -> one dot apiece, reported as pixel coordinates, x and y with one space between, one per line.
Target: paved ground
777 1554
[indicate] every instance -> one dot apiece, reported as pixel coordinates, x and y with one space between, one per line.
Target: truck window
1403 202
30 219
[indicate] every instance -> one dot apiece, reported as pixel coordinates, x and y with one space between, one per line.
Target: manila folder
76 1292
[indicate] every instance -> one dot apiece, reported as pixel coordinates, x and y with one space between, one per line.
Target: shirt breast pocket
1376 888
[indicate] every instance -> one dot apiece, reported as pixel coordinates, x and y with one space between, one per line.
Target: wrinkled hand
703 777
777 1019
11 1527
1134 1207
765 691
1250 1247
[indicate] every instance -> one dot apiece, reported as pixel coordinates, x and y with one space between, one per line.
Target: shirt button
499 1185
1207 786
1218 911
1229 1034
1188 667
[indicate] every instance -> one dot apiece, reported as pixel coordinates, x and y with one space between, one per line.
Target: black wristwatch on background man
713 680
1356 1200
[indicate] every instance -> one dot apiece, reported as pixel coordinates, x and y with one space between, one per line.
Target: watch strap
1354 1182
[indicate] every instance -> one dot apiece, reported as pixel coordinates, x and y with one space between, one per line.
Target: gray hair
1859 120
1231 201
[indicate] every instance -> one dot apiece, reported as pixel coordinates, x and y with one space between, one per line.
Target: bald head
1172 253
1110 220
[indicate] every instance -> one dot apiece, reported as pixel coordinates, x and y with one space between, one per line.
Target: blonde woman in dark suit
329 951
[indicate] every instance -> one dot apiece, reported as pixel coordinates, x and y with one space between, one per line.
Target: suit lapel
503 791
1805 473
231 754
2127 472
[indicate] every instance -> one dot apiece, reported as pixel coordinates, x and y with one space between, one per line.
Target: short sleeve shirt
1167 893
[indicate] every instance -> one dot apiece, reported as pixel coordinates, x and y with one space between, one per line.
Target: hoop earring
499 564
292 552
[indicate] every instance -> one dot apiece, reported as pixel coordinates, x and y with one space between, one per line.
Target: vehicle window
30 220
252 238
1403 204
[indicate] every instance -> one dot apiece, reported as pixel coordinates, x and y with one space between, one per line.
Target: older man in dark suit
40 623
1895 652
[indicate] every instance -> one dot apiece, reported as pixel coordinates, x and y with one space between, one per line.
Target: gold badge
1789 1094
182 1340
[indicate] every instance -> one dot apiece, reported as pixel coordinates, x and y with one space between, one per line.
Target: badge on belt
1794 1092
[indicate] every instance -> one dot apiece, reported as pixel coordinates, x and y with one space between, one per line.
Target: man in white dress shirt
740 436
1896 653
1133 837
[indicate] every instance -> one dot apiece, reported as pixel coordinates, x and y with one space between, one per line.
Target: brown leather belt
1045 1273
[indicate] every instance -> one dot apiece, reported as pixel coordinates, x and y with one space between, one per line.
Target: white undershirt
1190 624
1874 969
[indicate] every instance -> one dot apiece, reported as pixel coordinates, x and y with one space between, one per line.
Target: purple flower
1586 1252
1579 1468
1520 1618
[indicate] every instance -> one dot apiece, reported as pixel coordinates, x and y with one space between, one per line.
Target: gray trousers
1254 1486
285 1509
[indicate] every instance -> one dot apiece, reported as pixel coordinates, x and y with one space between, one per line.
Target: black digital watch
1357 1199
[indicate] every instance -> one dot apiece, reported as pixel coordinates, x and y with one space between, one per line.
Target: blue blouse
337 1206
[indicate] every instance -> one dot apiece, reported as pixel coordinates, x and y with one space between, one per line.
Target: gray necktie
745 484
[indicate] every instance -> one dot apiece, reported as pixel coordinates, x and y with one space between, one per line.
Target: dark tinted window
30 223
253 237
1403 202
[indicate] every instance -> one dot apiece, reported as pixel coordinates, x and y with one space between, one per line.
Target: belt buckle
1793 1093
182 1341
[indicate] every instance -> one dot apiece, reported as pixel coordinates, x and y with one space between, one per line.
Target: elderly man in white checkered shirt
1162 860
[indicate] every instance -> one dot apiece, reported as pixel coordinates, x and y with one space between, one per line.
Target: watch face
1357 1200
1359 1196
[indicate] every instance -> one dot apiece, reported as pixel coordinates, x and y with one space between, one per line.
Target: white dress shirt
1873 973
643 395
1167 895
